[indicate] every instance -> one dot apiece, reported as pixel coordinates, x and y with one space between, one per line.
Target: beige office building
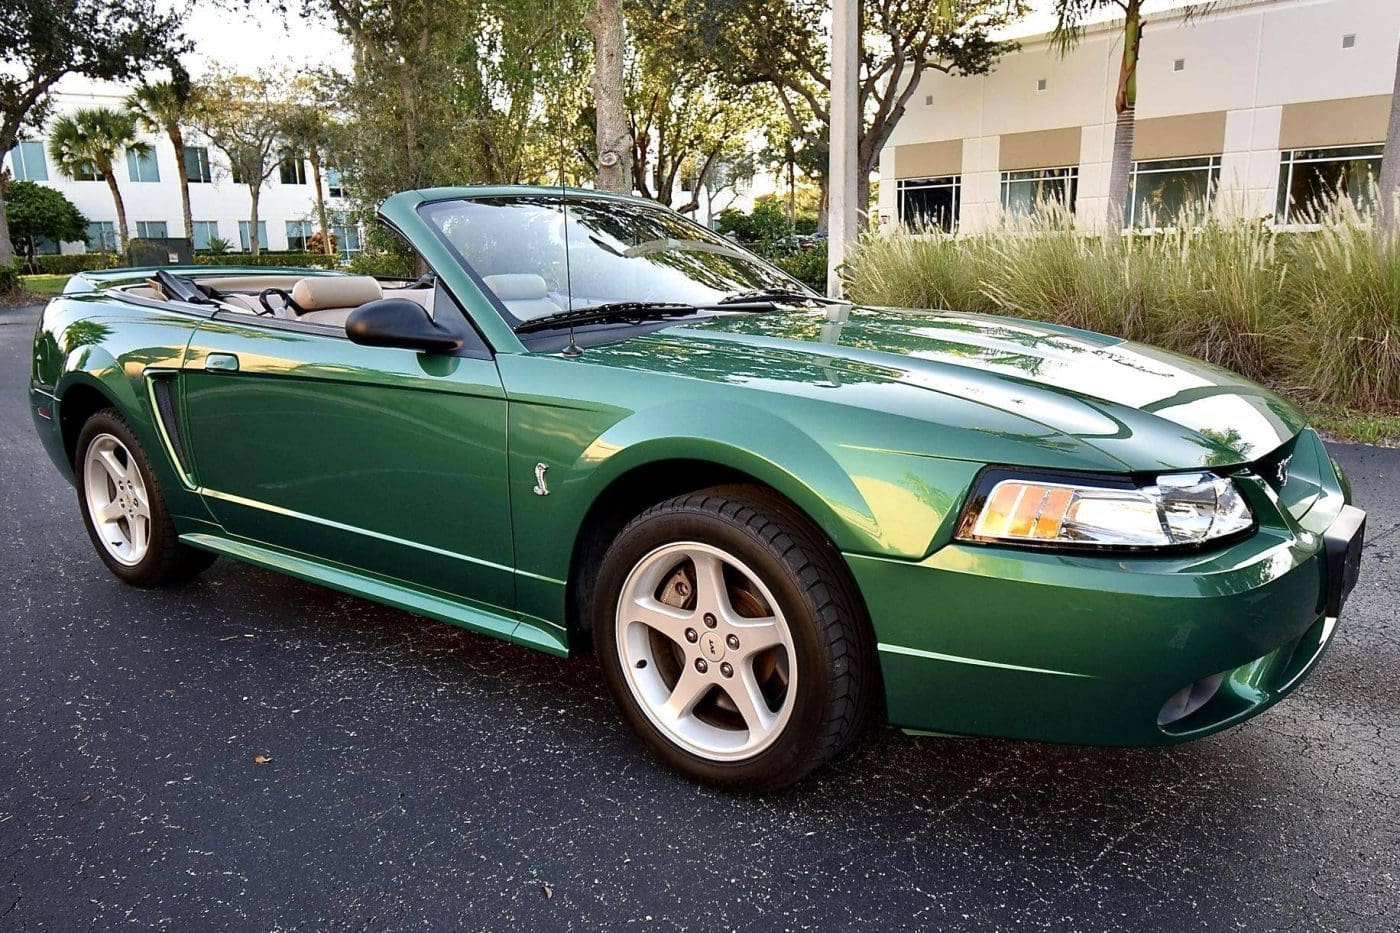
1257 107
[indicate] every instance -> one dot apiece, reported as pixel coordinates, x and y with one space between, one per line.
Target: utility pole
845 130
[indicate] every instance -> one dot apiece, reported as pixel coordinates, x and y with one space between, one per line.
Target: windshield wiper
631 311
764 295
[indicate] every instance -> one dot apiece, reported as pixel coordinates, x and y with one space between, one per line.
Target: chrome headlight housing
1063 510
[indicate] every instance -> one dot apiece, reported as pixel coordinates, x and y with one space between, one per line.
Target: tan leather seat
330 299
525 295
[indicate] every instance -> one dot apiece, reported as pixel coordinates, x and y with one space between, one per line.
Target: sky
227 35
237 37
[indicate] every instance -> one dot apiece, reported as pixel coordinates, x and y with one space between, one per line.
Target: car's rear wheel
732 639
123 509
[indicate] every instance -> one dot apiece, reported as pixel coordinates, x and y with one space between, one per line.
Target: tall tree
454 91
167 107
87 142
43 40
683 122
1389 188
784 44
614 144
1070 19
243 117
307 130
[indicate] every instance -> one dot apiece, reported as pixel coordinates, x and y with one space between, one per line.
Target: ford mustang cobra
585 420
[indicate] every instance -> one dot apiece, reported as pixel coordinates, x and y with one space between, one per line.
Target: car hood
1143 407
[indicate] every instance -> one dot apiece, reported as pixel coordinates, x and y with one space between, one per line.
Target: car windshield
617 251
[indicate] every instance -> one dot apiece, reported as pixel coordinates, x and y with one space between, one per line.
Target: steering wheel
286 297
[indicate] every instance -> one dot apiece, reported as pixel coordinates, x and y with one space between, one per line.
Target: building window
1311 179
86 171
1023 192
204 232
27 161
151 229
243 235
102 236
335 186
197 165
43 246
927 203
293 169
347 237
1161 190
142 166
299 232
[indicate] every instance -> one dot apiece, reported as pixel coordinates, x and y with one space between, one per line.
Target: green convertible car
774 516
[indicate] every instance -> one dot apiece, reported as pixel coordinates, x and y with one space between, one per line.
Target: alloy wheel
706 651
117 502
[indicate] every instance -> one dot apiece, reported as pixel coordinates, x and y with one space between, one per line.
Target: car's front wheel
123 509
732 640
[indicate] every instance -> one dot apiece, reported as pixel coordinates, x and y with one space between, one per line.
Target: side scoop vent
163 390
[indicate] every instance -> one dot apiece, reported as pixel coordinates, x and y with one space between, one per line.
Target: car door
381 459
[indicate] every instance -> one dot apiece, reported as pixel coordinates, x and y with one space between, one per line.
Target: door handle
221 362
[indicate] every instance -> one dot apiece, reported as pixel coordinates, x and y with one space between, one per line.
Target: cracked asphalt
419 776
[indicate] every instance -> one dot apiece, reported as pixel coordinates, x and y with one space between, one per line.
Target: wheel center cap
712 646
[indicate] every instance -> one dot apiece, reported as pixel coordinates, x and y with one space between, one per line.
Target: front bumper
1087 649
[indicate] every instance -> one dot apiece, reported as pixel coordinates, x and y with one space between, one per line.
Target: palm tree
88 141
161 108
1070 17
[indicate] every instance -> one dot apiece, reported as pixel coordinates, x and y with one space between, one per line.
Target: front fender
108 346
740 437
867 499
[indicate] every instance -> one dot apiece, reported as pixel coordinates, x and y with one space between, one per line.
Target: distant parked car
774 516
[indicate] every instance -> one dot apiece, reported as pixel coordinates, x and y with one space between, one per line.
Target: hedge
9 279
70 263
265 258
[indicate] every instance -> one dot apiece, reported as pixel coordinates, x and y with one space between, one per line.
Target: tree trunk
122 242
1125 103
612 135
314 158
9 135
177 139
1389 189
1123 133
792 185
254 247
7 249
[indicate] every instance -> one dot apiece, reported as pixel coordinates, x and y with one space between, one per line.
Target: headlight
1077 511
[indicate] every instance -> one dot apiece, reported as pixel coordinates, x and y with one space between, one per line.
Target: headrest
335 291
517 286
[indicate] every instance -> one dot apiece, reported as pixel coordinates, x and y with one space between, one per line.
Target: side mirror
398 322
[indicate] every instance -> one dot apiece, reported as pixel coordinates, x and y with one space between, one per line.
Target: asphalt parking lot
414 775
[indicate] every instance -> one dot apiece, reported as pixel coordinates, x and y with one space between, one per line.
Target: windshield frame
563 196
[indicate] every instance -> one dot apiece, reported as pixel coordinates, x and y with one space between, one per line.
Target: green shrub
70 263
9 279
767 222
1344 326
806 265
298 260
382 263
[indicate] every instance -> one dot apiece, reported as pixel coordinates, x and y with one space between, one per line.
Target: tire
113 475
688 669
